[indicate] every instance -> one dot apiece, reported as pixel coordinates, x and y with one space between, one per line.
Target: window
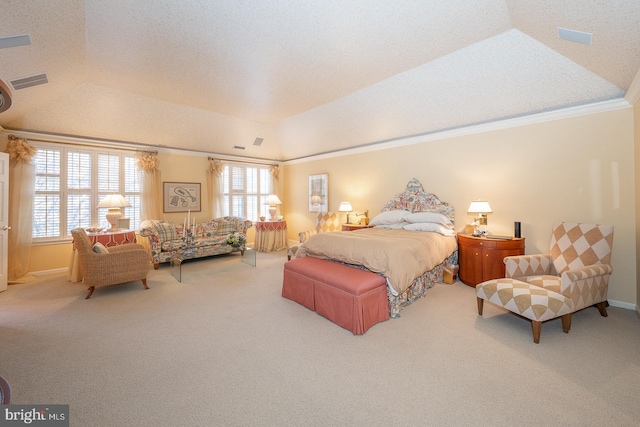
71 181
245 190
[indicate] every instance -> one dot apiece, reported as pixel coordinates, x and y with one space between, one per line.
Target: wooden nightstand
351 227
481 258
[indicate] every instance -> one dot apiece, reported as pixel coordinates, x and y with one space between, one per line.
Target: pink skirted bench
352 298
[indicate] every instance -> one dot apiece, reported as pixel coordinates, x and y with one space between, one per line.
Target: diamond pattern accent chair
326 222
572 276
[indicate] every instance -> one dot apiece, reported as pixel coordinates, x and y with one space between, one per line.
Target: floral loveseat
216 237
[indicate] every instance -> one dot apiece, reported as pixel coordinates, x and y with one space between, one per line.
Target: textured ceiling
308 77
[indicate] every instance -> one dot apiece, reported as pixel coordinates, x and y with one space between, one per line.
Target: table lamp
482 208
113 202
272 200
346 207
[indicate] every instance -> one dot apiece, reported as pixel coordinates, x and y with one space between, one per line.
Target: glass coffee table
182 257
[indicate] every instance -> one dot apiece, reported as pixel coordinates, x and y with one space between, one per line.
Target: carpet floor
223 348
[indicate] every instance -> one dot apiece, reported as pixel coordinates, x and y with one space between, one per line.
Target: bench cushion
348 279
352 298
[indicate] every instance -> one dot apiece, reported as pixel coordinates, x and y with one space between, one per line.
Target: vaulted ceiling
306 76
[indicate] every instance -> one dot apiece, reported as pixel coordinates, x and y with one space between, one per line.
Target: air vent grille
5 97
29 81
574 36
15 41
258 141
238 147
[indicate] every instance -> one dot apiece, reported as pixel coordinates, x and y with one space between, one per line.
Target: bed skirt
418 288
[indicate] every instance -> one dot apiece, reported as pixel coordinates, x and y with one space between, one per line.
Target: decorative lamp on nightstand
272 200
346 207
482 208
114 202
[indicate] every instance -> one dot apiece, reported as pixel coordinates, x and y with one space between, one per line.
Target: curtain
214 186
21 194
148 167
275 172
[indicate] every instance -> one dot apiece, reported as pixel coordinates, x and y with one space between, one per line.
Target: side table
107 238
351 227
271 236
481 258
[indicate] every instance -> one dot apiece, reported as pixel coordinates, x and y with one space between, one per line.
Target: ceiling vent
574 36
29 81
15 41
5 97
258 141
238 147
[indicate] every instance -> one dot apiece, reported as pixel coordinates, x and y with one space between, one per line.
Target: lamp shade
114 201
479 206
345 207
272 200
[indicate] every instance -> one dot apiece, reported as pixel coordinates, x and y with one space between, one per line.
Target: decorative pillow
225 226
389 217
430 226
434 217
99 248
396 226
166 230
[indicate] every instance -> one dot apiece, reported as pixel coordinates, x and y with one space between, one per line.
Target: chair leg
536 327
144 283
288 257
566 323
480 305
156 265
91 289
602 308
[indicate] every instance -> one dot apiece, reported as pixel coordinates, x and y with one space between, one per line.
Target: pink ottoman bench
352 298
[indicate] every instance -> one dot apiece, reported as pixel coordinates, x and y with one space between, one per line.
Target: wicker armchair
121 264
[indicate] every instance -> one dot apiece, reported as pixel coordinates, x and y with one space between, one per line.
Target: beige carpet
223 348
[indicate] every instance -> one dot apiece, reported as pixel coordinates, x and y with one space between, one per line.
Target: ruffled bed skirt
418 288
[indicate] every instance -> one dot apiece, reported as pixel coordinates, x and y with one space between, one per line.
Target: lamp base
113 216
272 212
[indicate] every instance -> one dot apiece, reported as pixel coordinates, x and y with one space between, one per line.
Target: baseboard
46 272
622 304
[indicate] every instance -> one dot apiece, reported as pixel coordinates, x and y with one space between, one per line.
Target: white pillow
434 217
100 248
429 226
396 226
389 217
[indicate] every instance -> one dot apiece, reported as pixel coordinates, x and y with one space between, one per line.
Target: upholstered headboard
415 199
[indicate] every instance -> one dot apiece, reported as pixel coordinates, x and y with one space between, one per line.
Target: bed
410 243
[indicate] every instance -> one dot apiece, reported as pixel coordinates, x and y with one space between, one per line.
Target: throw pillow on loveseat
209 238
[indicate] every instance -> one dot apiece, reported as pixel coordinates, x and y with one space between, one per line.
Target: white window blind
70 182
245 189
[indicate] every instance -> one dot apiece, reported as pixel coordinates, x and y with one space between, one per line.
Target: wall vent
258 141
29 81
15 41
574 36
5 97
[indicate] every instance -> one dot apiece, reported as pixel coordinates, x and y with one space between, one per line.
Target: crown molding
548 116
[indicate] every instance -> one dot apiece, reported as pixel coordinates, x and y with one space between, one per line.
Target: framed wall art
319 193
181 196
